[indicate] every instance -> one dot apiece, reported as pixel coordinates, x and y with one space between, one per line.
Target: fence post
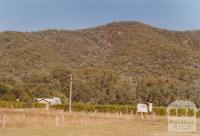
95 113
154 115
117 115
121 115
131 114
107 115
57 119
4 121
27 119
102 116
142 115
63 117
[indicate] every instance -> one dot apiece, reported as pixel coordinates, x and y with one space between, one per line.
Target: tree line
97 86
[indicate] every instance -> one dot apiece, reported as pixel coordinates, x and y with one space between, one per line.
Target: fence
19 118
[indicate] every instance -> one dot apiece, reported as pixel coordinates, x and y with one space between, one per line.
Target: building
50 101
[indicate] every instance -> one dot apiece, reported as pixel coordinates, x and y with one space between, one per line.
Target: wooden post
63 117
117 115
82 117
106 115
47 106
85 117
95 113
102 116
154 115
131 115
57 120
4 121
27 120
142 116
121 115
147 115
70 93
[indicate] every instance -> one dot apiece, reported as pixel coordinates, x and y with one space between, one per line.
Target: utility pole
70 93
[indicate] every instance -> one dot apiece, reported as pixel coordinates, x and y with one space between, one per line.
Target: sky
33 15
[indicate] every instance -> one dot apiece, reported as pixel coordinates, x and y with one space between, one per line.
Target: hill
121 62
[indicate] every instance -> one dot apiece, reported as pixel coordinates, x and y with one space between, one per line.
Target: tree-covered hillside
122 62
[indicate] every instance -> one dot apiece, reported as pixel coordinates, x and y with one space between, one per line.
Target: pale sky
33 15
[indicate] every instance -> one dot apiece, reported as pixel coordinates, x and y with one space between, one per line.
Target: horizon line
101 25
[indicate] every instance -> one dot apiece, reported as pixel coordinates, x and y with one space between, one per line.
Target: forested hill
122 62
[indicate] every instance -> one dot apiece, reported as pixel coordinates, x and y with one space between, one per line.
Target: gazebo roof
182 104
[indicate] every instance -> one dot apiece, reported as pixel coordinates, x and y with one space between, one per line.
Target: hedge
95 107
99 108
14 104
120 108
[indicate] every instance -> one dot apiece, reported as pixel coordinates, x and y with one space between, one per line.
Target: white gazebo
183 122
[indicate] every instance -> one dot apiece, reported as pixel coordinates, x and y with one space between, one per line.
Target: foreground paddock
36 122
37 118
136 127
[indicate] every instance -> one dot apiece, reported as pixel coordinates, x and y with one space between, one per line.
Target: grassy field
155 127
31 122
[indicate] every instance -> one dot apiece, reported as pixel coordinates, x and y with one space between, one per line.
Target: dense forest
118 63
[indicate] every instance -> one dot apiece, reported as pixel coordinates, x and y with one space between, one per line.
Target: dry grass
42 123
136 127
55 118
